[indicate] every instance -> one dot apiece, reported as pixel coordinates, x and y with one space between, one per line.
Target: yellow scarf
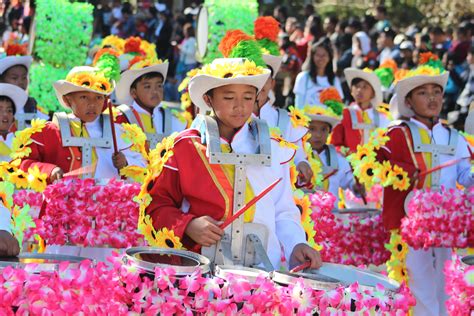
4 149
80 130
229 171
325 182
426 139
147 123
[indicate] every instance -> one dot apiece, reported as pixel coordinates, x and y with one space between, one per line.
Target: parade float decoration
439 218
459 273
62 32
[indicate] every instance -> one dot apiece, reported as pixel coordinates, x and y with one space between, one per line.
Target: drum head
469 260
314 280
357 211
202 33
349 275
183 262
44 261
249 274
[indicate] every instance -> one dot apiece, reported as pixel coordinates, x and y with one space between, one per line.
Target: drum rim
220 271
395 285
198 17
358 211
204 262
43 267
286 277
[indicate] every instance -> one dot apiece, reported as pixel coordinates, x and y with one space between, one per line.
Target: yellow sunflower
37 125
366 172
251 68
317 168
364 151
135 173
400 179
293 175
185 101
167 239
378 138
81 79
20 144
308 227
298 117
184 84
36 179
284 143
146 228
397 247
101 84
19 178
303 204
133 134
397 271
114 41
147 185
160 154
385 174
6 194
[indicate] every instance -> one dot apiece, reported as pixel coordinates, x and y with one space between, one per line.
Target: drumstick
112 124
439 167
330 174
301 267
80 171
249 204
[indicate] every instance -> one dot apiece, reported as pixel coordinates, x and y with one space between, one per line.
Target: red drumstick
330 174
112 125
439 167
80 171
249 204
301 267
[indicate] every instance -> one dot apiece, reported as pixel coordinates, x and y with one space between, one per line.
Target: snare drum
313 280
44 262
249 274
468 260
182 262
361 212
348 275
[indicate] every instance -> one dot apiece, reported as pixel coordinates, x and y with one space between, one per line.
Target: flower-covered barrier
351 239
459 287
80 212
442 218
119 289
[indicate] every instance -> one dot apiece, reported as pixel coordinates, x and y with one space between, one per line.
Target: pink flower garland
352 240
460 287
78 212
442 218
119 290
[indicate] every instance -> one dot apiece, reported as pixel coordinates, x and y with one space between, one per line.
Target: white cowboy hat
331 120
398 103
63 87
10 61
274 62
370 77
129 76
16 94
200 84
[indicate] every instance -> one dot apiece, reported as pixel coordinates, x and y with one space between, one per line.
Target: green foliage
42 77
250 50
270 46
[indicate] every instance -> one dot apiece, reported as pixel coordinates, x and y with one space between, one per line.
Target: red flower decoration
135 60
231 39
329 94
266 27
132 45
16 50
426 57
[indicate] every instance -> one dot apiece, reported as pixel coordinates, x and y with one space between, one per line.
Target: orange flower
16 50
389 63
329 94
135 60
266 27
400 74
103 51
426 57
231 39
132 45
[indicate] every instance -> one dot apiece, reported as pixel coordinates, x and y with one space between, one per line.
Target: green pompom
335 106
42 77
225 15
63 32
437 64
109 66
385 75
250 50
270 46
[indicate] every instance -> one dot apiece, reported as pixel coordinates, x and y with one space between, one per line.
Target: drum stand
243 246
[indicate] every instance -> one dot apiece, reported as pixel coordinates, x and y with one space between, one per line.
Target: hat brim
371 78
274 62
129 76
201 84
10 61
63 87
16 94
324 118
403 87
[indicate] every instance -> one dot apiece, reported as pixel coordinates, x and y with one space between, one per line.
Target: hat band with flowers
94 81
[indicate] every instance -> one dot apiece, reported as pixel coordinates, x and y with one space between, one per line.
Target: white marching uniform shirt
104 170
276 210
157 117
425 267
343 178
270 114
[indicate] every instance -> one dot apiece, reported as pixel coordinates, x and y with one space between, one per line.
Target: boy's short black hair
356 81
4 98
149 75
